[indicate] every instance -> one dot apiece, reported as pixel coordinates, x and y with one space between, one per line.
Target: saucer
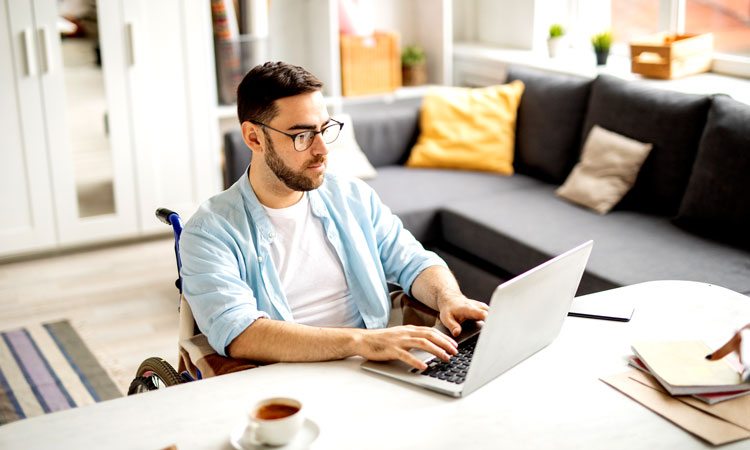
305 437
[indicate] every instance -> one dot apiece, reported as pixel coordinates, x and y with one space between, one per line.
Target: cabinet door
86 118
27 217
170 106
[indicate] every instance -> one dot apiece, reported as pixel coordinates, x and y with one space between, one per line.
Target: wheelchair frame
154 372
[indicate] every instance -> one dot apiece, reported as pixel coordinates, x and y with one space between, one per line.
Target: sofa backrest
672 121
548 128
236 157
717 199
386 132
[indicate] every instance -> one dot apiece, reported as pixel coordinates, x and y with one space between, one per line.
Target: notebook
681 367
711 399
526 314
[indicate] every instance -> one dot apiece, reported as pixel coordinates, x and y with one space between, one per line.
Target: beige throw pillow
344 155
607 170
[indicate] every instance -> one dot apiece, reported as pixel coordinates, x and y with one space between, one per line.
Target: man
291 264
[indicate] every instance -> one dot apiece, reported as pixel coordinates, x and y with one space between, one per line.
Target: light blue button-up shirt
229 279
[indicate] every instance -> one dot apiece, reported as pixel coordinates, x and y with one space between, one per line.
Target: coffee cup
275 421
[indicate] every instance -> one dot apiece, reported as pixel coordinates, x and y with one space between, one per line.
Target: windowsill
583 64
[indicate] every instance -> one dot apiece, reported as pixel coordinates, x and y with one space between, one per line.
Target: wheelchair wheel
153 373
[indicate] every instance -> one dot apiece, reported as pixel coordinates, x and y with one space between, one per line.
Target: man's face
299 171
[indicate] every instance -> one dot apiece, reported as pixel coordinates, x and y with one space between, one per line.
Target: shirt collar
258 213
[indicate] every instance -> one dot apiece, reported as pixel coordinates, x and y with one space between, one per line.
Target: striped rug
46 368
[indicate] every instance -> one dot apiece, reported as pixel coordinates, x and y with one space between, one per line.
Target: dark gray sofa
687 217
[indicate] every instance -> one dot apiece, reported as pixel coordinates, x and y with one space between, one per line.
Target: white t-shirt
309 269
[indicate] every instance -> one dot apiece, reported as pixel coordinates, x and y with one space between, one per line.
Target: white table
552 400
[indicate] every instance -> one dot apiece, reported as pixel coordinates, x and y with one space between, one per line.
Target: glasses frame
293 137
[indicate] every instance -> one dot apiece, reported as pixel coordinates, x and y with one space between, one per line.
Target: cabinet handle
45 44
131 43
28 51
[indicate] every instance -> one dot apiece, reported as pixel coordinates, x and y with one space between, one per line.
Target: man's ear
251 136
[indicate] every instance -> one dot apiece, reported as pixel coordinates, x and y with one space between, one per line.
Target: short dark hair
268 82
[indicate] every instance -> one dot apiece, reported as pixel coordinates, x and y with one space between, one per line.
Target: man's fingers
452 324
411 360
430 347
443 341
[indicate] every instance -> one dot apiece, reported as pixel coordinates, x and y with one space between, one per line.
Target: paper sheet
704 425
736 411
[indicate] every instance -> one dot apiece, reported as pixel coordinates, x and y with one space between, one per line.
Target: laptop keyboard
453 370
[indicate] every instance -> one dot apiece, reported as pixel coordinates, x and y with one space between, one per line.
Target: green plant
556 30
602 41
412 55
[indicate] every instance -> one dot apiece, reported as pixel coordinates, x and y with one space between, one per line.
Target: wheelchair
156 373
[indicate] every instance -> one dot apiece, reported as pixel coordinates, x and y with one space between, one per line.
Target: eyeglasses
302 141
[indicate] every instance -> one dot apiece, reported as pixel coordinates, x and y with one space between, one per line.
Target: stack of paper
676 381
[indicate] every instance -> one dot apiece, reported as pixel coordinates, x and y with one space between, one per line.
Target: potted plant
556 39
414 70
601 42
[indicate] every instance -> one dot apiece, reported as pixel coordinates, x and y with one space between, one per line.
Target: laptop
526 314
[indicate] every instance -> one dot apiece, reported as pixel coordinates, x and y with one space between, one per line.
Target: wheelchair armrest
413 311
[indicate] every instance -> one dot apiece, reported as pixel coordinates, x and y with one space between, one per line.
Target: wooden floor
121 300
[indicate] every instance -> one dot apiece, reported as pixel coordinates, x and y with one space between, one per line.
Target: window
632 19
728 20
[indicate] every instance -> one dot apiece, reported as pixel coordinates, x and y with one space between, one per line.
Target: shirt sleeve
222 303
403 257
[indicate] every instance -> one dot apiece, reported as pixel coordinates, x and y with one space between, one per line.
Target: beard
294 180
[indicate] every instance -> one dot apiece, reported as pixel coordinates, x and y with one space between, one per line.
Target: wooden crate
667 55
370 65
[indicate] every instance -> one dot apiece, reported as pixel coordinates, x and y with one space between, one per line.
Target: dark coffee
275 411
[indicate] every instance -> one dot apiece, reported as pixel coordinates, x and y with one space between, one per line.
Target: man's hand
733 345
387 344
455 308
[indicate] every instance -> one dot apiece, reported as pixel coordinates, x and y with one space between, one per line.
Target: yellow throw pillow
470 129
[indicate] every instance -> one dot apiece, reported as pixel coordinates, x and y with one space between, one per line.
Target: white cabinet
27 217
152 126
171 79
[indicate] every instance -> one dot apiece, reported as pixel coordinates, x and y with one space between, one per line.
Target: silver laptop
526 314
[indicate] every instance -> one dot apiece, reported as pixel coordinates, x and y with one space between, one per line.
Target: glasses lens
331 132
303 141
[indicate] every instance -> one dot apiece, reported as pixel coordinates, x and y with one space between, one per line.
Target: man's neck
271 191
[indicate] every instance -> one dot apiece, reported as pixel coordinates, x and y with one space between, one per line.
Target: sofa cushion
609 165
469 129
386 132
345 157
550 116
717 199
416 195
672 121
520 229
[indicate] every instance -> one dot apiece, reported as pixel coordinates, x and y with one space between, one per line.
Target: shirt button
260 259
271 234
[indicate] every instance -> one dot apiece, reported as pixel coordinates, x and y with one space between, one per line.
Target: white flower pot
555 46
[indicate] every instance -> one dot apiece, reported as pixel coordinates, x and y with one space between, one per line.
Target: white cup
274 421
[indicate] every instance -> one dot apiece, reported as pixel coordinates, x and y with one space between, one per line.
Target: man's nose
319 147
